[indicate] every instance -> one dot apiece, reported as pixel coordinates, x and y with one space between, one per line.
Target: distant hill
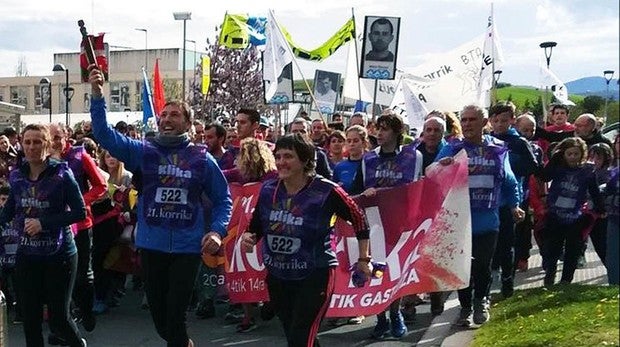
519 94
594 85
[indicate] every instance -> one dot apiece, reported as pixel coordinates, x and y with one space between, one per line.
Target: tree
593 103
236 81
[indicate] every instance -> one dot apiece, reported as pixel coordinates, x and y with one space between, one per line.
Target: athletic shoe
481 312
464 317
356 320
397 326
382 327
247 326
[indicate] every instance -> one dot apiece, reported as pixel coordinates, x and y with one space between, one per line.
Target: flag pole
493 96
357 58
290 51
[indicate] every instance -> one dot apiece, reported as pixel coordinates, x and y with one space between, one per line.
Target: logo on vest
285 217
389 174
569 186
480 161
32 202
173 170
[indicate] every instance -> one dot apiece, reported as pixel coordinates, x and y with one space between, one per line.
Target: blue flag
147 100
360 106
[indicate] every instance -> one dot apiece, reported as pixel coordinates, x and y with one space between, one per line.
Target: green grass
520 94
570 315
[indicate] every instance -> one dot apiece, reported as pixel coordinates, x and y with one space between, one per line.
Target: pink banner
421 230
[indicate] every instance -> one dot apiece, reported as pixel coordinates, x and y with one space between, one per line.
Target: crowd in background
562 189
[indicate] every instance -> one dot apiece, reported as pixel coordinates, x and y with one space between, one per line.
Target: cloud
552 15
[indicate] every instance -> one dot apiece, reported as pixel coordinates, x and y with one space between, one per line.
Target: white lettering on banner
240 285
343 301
213 280
379 249
173 170
237 263
246 202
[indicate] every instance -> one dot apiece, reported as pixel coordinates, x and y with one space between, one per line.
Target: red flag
102 61
159 99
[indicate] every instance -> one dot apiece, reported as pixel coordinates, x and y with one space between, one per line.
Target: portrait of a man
380 47
380 36
326 85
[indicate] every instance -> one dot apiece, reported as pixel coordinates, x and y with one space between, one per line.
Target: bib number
177 196
283 244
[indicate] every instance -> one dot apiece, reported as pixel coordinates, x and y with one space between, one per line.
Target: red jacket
97 186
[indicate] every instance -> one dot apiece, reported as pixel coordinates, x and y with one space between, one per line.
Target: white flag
549 79
275 57
492 60
416 110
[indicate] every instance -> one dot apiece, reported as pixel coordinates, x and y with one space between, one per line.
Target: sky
586 31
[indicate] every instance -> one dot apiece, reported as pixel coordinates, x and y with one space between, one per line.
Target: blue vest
34 200
486 171
568 192
389 171
172 185
296 229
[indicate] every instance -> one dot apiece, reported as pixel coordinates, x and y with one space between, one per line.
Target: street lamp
548 48
194 82
67 91
184 16
609 74
146 48
45 82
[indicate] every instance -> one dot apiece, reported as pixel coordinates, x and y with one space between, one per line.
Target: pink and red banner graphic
421 230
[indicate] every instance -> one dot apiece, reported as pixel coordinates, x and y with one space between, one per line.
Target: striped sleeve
344 207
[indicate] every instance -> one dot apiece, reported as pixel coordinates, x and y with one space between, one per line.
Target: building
123 91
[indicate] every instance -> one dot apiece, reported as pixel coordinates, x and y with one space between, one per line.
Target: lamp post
184 16
146 48
45 82
608 74
67 91
548 49
194 81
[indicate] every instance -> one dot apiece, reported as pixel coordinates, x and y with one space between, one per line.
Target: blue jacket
206 186
487 220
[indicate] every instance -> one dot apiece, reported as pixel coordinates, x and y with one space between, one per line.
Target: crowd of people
82 210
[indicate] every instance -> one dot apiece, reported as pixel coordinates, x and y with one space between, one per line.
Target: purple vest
74 158
295 227
8 246
391 171
486 171
568 193
172 188
32 200
612 194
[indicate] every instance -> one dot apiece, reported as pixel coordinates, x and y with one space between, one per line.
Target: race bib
283 244
177 196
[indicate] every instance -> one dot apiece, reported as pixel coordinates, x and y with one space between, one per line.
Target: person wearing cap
263 127
184 207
